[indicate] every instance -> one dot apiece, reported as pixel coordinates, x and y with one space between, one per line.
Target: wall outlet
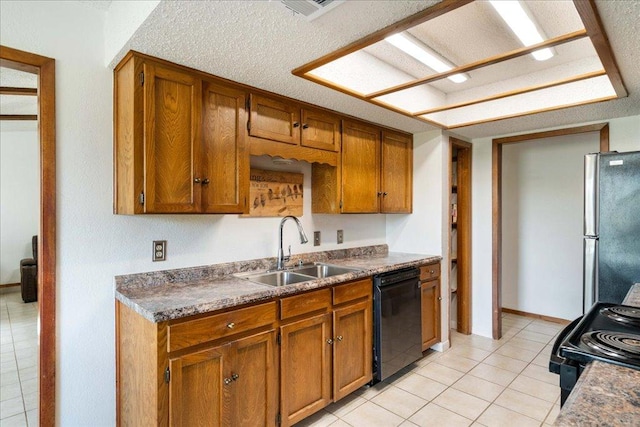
159 250
340 236
316 238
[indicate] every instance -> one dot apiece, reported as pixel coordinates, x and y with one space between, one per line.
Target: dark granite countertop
605 394
172 294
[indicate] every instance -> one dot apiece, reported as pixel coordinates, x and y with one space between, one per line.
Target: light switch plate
159 250
340 236
316 238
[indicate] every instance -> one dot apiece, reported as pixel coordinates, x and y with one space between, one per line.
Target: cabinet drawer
352 291
305 303
430 271
192 332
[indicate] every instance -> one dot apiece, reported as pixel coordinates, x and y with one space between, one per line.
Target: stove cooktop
609 333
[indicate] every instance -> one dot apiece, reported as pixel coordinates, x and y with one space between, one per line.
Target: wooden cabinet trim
305 303
197 331
430 271
352 291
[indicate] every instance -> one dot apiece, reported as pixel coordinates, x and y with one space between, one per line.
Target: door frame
463 294
496 196
44 68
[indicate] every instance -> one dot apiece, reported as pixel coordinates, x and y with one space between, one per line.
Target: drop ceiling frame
593 30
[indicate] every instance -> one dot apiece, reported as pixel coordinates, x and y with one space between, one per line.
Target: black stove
608 332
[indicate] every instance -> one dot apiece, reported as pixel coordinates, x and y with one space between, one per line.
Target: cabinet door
397 173
360 168
172 102
271 119
305 367
320 130
352 358
430 303
253 391
225 178
196 388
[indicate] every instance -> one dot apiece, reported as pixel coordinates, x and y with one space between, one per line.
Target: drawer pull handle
235 376
227 381
432 271
329 341
339 338
205 181
196 180
231 325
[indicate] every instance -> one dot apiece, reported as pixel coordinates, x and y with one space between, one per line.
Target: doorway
602 128
44 68
460 235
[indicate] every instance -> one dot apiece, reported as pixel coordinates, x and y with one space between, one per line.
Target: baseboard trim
537 316
9 285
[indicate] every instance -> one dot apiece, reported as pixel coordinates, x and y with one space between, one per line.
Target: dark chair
29 274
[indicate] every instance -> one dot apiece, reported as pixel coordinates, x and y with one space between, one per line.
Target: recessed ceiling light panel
413 47
517 18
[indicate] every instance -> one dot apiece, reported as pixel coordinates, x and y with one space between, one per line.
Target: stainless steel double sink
303 273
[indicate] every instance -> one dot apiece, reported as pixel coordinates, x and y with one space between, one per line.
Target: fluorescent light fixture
422 53
513 13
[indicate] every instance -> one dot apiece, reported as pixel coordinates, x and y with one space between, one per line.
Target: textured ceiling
260 42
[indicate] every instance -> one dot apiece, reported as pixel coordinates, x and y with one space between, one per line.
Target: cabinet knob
227 381
339 338
439 298
296 124
385 193
196 180
379 193
205 181
432 271
235 376
305 126
231 325
329 341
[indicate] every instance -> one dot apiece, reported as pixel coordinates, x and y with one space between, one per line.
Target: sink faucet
303 239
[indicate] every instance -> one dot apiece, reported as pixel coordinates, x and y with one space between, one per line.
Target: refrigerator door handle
590 275
591 197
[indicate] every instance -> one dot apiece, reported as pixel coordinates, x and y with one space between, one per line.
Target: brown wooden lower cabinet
430 303
305 367
330 344
227 369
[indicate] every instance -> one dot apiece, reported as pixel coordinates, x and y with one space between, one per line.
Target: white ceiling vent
311 9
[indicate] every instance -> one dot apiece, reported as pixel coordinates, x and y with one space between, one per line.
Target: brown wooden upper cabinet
377 168
179 141
286 122
396 171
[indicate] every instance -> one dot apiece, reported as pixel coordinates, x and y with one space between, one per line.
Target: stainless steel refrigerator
611 226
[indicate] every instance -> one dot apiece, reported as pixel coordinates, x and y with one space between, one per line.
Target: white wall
542 211
19 199
425 231
624 135
93 244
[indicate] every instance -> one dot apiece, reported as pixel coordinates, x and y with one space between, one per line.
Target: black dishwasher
397 340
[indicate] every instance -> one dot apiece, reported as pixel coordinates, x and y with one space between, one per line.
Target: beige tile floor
18 360
478 382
